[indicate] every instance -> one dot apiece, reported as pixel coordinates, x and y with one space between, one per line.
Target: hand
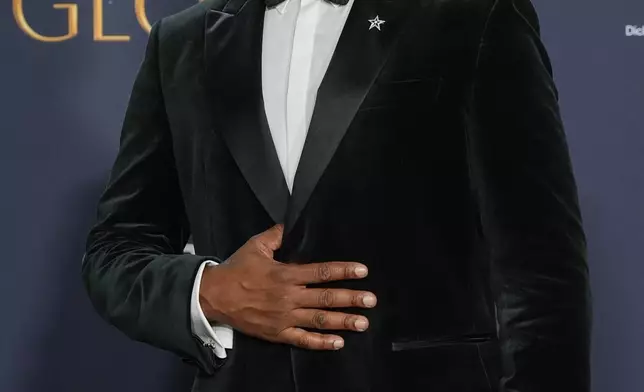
261 297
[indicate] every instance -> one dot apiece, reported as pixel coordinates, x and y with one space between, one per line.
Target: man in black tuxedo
434 179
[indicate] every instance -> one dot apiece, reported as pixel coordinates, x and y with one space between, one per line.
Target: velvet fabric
436 156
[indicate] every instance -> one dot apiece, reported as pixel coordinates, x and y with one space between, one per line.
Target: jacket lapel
232 61
359 56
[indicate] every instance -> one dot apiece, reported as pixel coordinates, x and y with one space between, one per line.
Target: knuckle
348 322
323 272
257 238
326 298
287 299
255 242
281 328
274 331
280 299
356 300
279 274
303 340
349 271
319 319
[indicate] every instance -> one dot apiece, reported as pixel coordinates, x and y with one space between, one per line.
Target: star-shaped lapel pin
376 22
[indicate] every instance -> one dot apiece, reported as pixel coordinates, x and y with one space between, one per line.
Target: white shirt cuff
218 337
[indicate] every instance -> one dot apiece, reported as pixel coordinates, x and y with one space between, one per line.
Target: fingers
334 298
322 319
270 240
311 340
323 272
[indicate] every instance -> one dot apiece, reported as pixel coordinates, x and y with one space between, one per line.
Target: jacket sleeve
529 211
134 269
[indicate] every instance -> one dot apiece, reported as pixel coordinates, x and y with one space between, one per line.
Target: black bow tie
273 3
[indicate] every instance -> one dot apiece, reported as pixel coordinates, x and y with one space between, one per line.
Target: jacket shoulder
187 24
182 25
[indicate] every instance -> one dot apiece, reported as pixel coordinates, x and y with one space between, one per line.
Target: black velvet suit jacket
435 155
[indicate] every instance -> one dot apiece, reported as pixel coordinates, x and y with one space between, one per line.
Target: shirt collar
281 7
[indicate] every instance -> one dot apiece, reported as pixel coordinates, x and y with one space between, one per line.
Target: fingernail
338 344
369 301
361 271
361 324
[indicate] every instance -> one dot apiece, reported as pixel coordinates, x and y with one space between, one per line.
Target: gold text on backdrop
72 22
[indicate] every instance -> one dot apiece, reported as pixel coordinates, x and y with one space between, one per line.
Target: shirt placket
299 83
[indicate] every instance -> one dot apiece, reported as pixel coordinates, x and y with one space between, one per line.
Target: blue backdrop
62 105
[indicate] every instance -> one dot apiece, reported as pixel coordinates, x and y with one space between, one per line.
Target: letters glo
72 22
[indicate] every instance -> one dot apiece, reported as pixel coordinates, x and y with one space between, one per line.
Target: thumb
272 238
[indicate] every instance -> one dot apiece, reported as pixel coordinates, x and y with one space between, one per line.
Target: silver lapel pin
376 22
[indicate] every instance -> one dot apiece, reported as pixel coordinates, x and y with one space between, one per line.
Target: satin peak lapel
232 61
359 56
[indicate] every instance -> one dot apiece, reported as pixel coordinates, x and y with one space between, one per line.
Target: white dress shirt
299 39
